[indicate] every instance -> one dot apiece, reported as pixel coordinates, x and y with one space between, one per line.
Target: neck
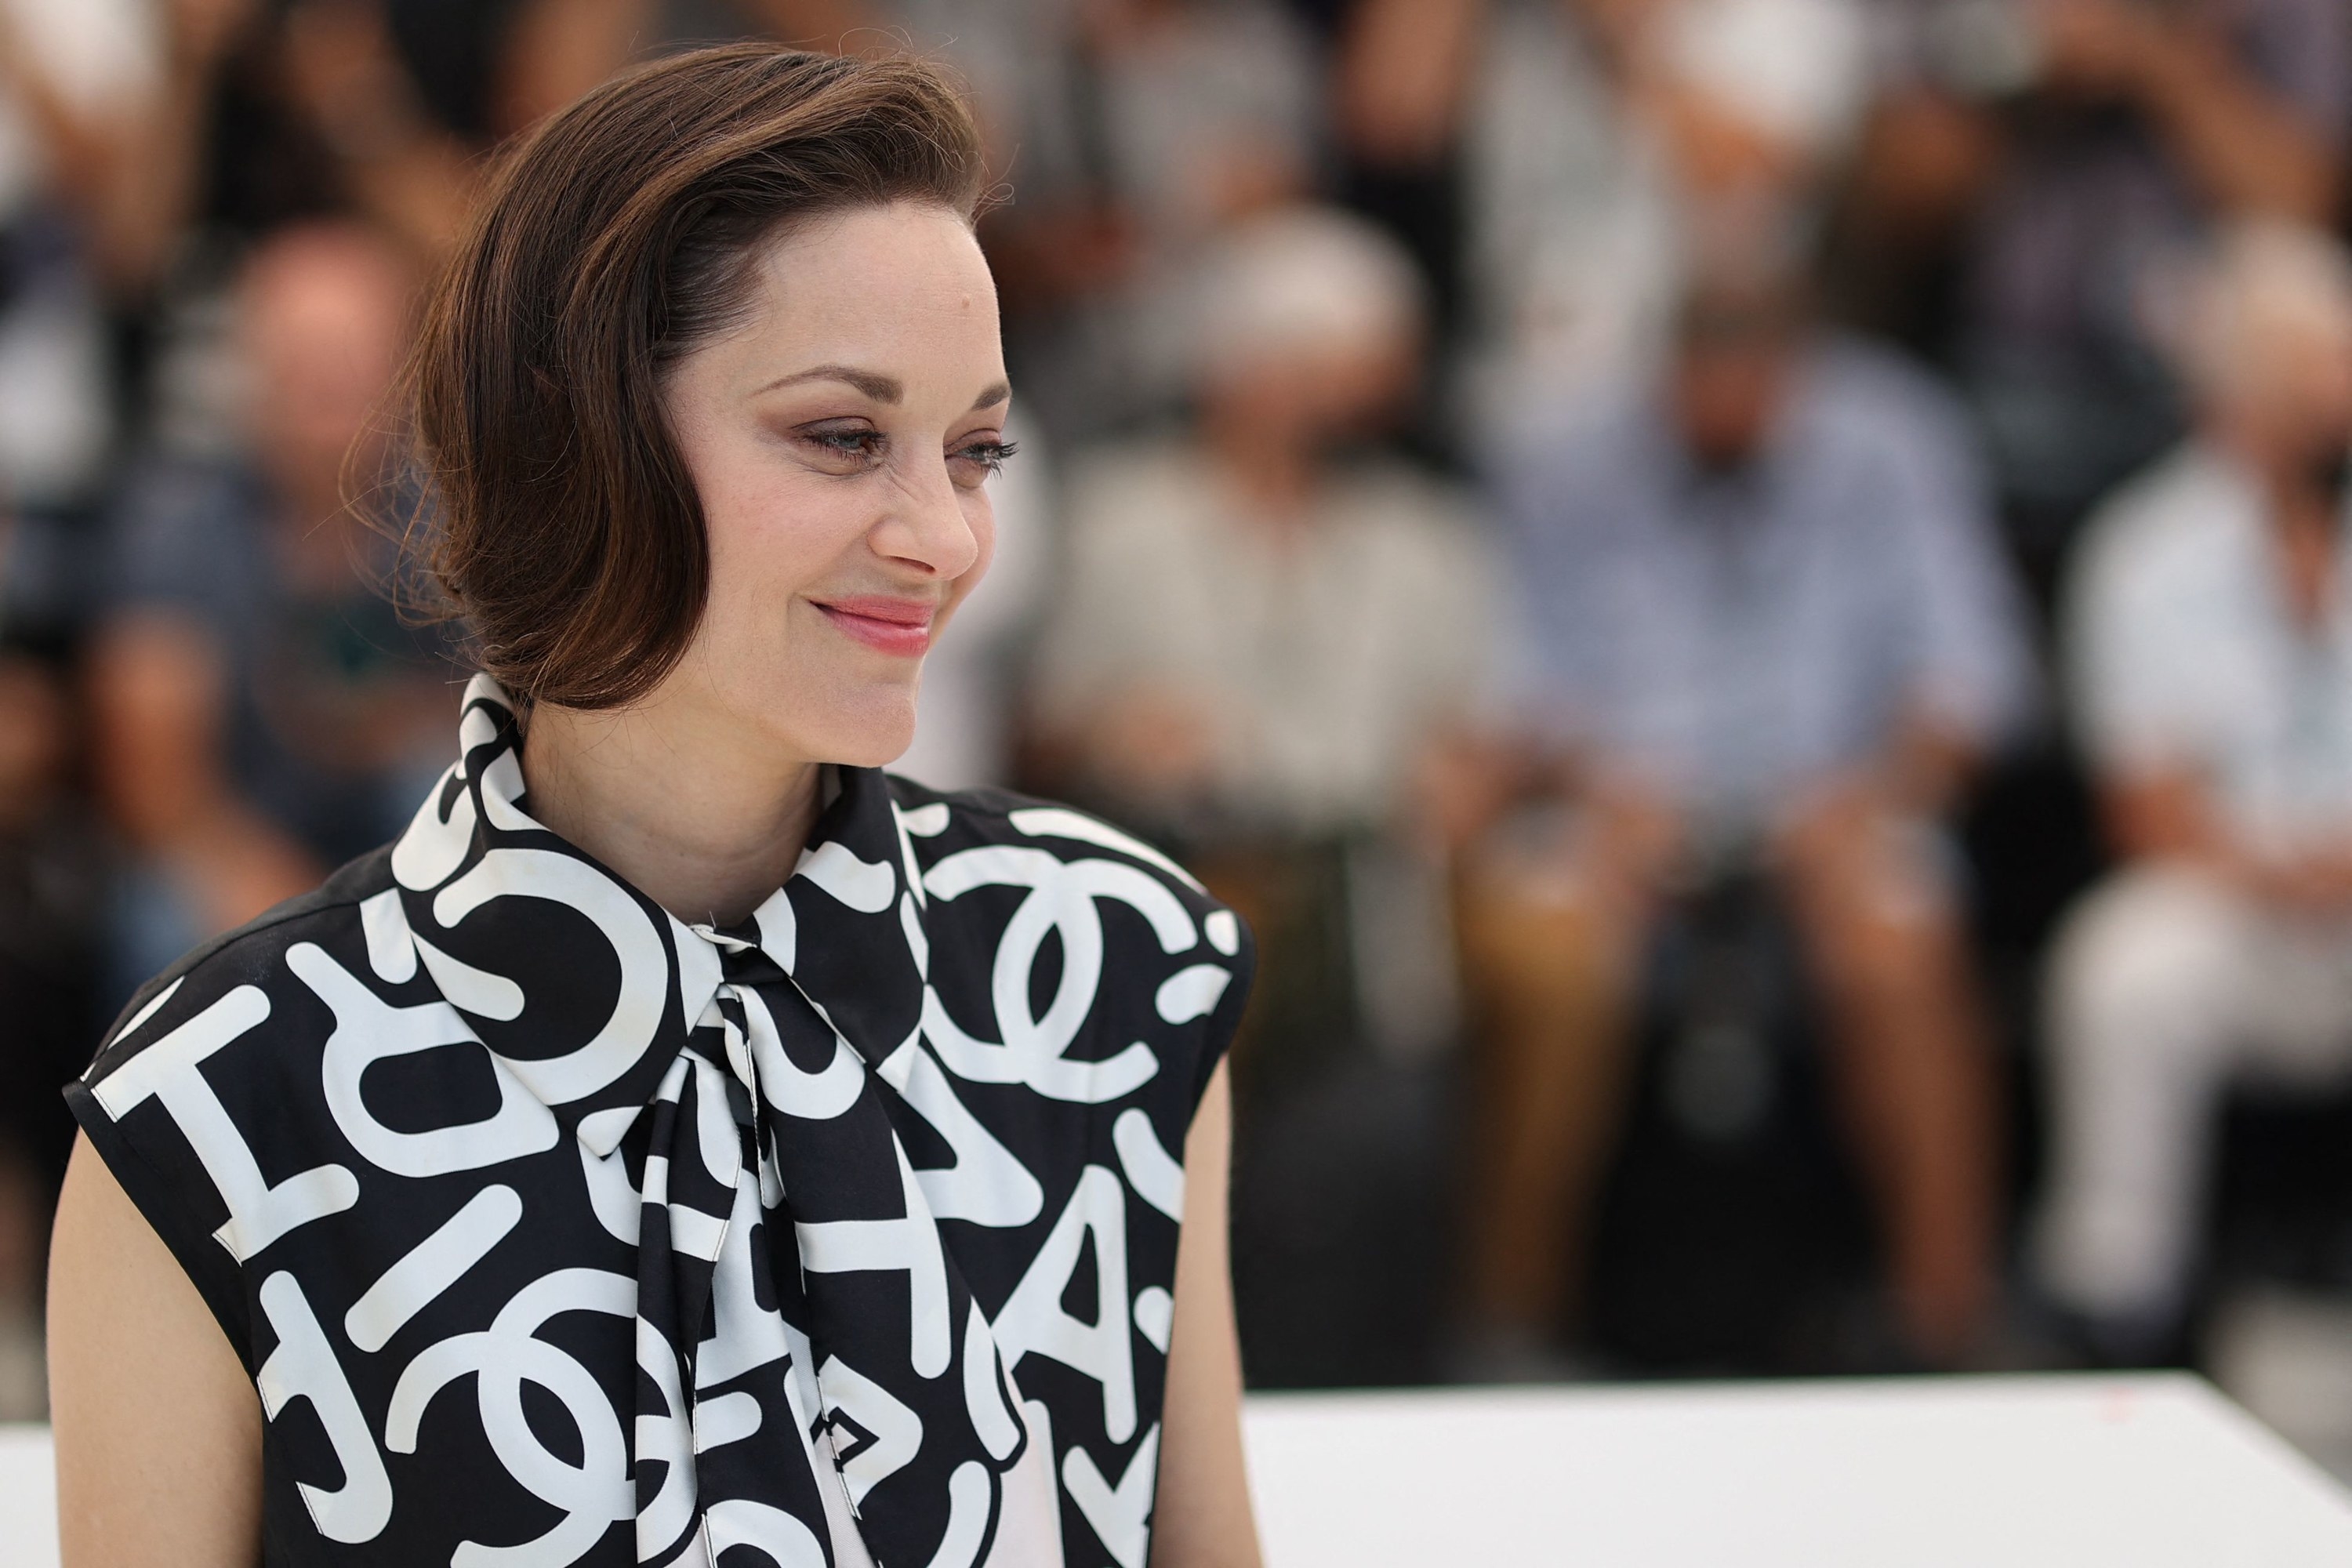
683 810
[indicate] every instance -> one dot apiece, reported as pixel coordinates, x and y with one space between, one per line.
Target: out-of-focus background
1750 595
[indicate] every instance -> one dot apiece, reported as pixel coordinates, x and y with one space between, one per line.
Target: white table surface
2142 1471
28 1507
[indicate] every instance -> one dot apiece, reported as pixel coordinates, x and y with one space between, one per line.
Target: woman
680 1146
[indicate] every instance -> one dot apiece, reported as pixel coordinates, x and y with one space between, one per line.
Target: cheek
772 533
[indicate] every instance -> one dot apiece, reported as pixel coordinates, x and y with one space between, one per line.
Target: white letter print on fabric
1062 900
692 1231
434 845
636 942
1121 1515
384 925
155 1005
1156 1176
420 1275
743 1334
303 1366
896 1430
592 1493
1155 1316
912 1243
772 1533
171 1070
969 1497
988 1184
813 1096
368 1029
1033 1318
1061 822
669 1438
1191 993
1029 1523
866 885
984 1394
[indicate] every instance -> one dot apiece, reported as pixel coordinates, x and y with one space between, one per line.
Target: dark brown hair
562 521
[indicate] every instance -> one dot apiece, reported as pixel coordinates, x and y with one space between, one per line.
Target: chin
868 735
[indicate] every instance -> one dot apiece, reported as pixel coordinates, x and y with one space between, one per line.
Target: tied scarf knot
858 1332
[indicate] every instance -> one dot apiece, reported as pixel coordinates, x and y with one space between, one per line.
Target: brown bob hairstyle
561 522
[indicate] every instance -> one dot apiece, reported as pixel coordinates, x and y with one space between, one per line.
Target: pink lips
901 627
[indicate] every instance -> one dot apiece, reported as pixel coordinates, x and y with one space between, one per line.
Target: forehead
900 290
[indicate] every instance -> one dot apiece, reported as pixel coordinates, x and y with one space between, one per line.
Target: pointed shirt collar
582 986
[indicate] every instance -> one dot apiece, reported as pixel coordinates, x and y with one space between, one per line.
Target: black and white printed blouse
554 1230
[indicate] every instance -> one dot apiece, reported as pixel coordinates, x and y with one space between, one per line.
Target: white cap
1301 279
2264 283
1797 71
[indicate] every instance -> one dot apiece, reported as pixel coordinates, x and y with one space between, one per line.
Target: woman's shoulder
210 1079
941 824
1148 960
238 978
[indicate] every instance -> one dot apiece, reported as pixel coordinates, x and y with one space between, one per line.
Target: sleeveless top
554 1230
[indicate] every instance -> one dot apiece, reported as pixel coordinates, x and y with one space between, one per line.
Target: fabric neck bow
769 1124
816 1381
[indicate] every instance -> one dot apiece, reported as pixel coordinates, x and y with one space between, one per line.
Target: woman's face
839 441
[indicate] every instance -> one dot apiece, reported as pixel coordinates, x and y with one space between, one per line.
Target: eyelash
990 454
867 444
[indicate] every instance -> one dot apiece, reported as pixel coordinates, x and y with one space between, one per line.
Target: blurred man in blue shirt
1769 628
261 712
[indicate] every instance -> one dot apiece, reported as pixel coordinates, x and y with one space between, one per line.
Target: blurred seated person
261 712
1770 631
1592 132
2210 638
1146 130
1269 633
2060 160
51 883
61 68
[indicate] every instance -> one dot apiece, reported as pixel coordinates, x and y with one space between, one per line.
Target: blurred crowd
1750 595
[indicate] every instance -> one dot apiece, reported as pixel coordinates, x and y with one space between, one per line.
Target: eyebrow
880 388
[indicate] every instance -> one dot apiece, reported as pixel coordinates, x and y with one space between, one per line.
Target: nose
926 527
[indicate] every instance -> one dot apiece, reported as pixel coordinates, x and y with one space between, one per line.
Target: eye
984 458
844 448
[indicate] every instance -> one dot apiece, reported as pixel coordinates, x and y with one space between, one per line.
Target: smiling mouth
901 627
